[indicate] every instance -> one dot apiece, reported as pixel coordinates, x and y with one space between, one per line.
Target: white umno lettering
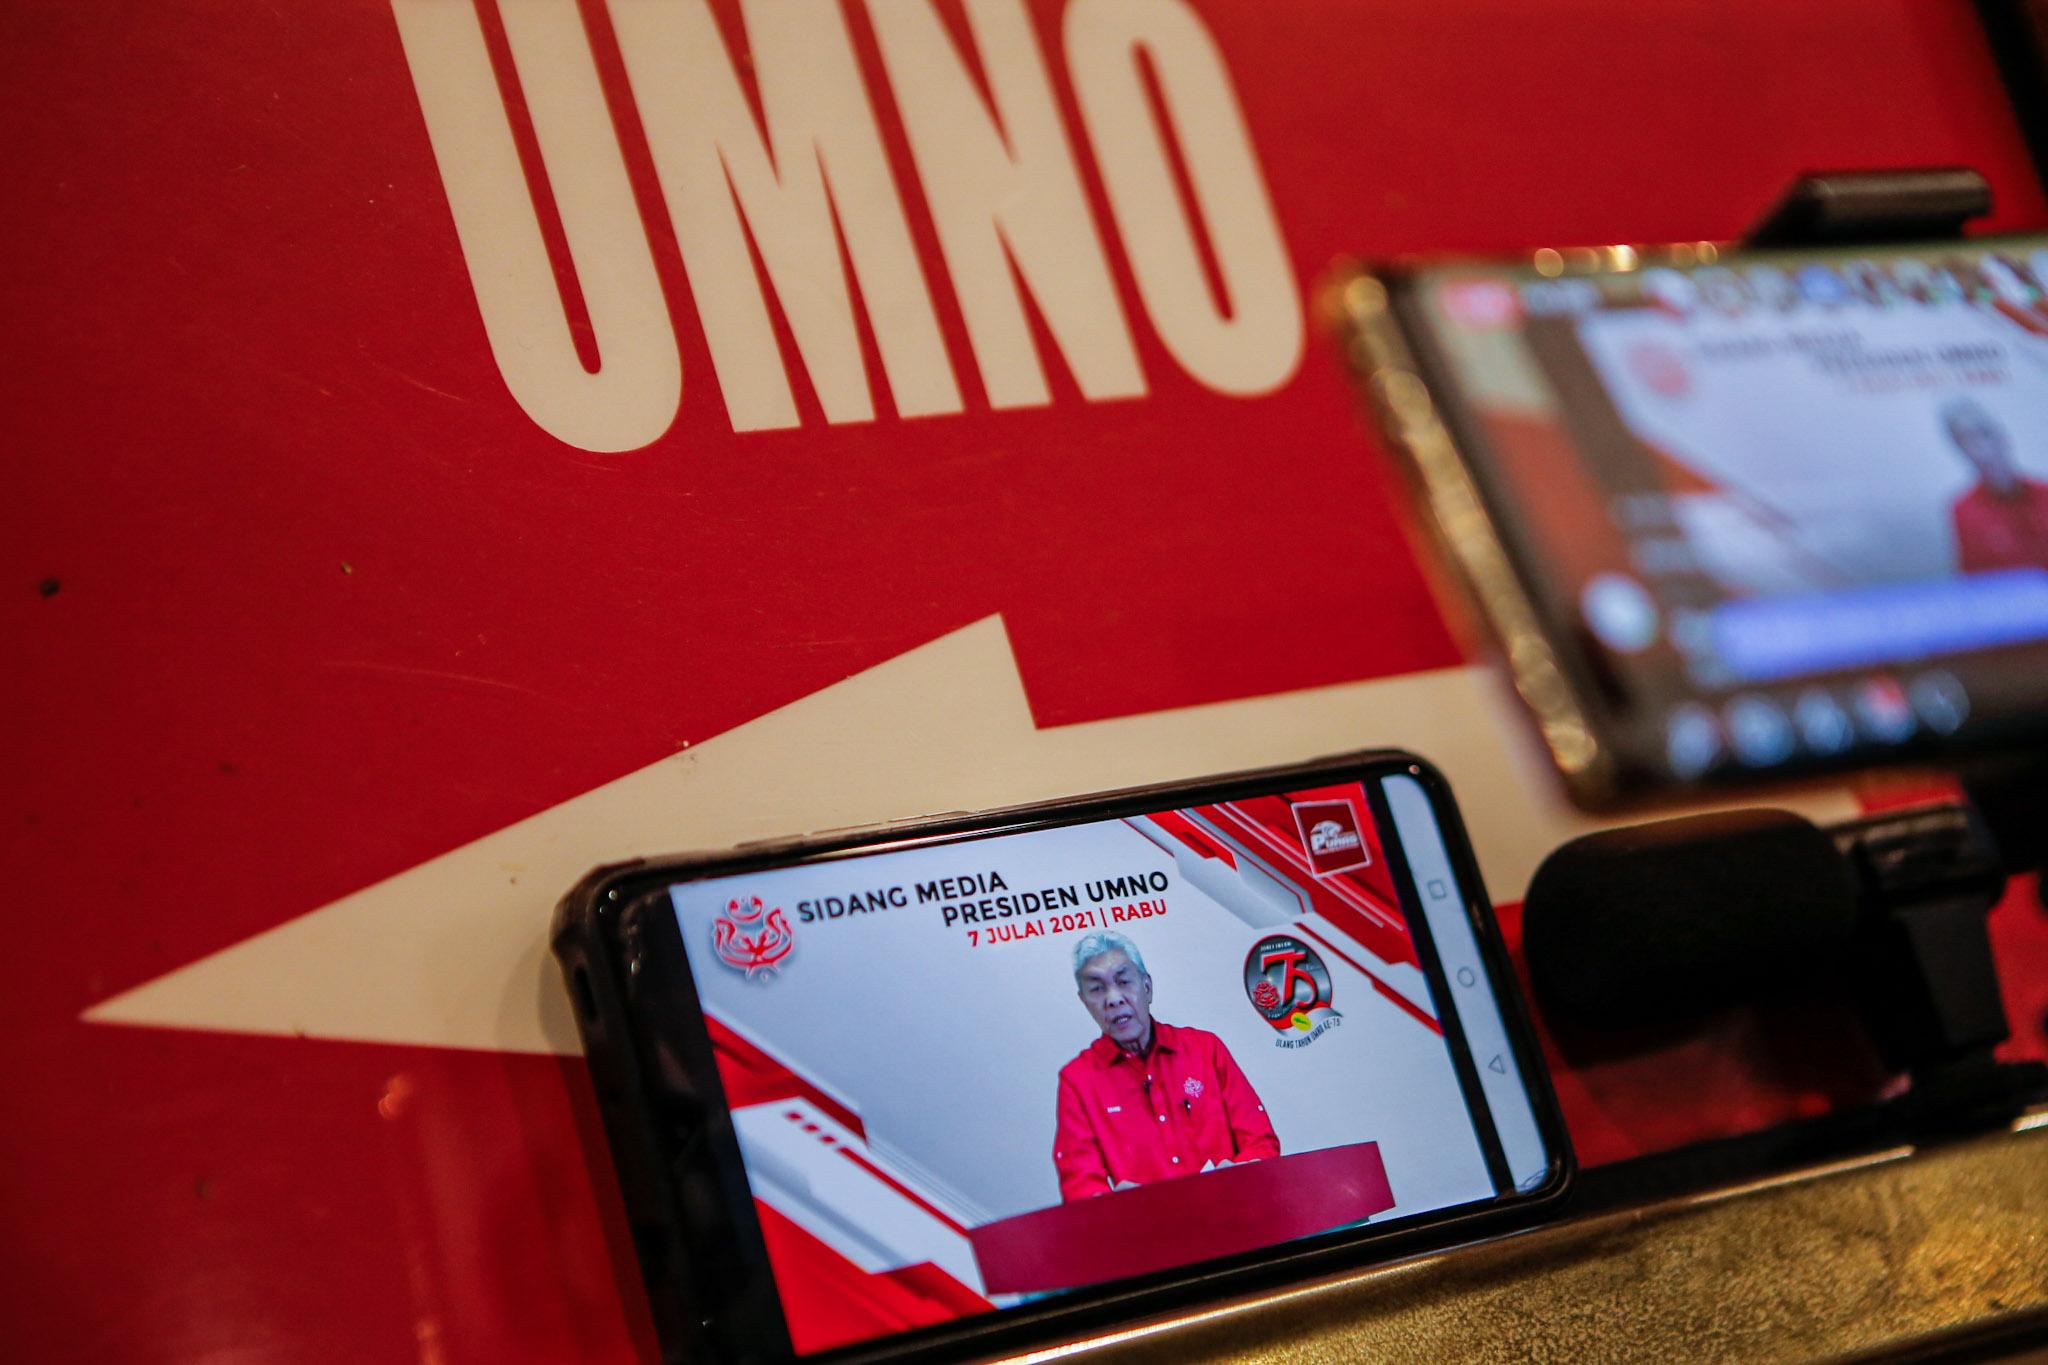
633 396
1257 346
1003 194
809 176
821 132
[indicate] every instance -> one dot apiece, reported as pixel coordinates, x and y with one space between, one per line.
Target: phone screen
970 1074
1787 505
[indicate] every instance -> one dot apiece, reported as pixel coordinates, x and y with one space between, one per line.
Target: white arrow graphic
453 952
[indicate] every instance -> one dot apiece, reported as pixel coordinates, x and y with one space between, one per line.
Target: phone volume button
871 827
879 826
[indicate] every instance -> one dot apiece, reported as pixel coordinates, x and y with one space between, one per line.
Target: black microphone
1668 921
1672 920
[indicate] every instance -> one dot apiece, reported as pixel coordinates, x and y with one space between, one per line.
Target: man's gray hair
1957 411
1095 945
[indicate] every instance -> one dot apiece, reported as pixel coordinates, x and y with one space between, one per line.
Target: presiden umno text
980 896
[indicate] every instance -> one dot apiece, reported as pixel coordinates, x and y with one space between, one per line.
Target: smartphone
1735 514
969 1083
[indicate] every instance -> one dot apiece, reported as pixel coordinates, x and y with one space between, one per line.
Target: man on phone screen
2002 521
1147 1100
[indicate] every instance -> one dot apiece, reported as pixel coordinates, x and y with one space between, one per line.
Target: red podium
1178 1222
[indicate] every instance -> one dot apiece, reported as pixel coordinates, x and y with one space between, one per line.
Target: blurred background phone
1736 514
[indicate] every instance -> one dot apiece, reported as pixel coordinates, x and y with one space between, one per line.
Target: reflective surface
1897 1254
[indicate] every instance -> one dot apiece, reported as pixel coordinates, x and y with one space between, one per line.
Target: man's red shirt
2002 531
1180 1106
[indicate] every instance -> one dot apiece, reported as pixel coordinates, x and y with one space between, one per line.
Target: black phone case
686 1199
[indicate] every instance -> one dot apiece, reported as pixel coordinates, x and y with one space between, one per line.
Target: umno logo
751 938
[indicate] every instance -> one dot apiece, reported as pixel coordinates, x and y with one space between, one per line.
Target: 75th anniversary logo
1289 986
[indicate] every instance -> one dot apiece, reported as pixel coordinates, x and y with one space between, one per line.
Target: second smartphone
1737 515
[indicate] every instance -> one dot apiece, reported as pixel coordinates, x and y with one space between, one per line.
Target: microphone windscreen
1670 920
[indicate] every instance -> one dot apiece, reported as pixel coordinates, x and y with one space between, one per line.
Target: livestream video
1791 469
968 1075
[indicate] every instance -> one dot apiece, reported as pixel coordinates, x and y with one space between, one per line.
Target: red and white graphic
1330 832
865 1245
751 938
1254 856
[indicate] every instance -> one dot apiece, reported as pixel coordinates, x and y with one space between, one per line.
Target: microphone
1667 921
